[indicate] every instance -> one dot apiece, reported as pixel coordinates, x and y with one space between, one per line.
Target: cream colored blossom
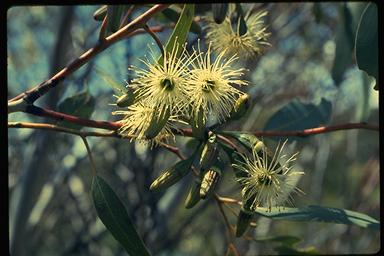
163 85
137 119
227 36
269 181
211 85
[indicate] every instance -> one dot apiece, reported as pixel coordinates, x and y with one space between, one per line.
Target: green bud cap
193 195
209 182
126 99
219 12
243 222
210 152
241 107
157 123
172 175
197 123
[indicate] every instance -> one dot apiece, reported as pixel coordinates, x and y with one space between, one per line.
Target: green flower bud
209 182
219 12
172 175
243 222
210 152
127 99
193 195
197 123
157 123
241 107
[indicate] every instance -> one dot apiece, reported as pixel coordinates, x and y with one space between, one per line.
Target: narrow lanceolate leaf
180 32
366 43
114 216
173 12
321 214
114 16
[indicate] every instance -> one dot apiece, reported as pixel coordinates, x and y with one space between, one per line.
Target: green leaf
349 14
285 240
114 16
180 33
287 250
118 87
344 45
114 216
366 43
80 105
298 116
173 12
320 214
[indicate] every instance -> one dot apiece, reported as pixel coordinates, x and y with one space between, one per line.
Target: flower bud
157 123
198 124
209 182
241 107
172 175
219 12
243 222
127 99
210 152
193 196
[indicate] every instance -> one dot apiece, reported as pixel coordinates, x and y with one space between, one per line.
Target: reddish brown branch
72 119
33 94
317 130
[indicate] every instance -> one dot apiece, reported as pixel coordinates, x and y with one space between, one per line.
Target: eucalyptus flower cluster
177 89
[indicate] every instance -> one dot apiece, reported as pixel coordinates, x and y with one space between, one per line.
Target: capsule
209 182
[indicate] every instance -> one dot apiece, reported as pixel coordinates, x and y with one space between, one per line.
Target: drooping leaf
180 32
114 16
298 116
366 43
321 214
118 87
349 14
173 12
81 105
114 216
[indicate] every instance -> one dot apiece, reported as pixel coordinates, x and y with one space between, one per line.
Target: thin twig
33 94
317 130
154 36
94 172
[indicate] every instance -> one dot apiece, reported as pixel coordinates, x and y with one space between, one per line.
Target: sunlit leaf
114 216
180 32
321 214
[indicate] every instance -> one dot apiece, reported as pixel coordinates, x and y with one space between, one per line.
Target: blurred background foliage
311 60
